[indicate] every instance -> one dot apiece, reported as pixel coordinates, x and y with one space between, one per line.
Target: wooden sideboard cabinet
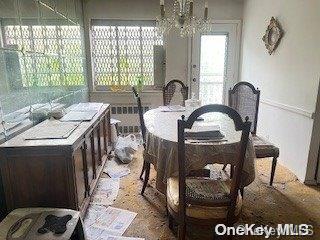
59 173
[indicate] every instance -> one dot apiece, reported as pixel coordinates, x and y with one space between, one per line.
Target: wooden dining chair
170 88
245 98
146 165
204 201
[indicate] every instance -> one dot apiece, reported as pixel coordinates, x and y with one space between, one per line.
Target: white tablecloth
162 146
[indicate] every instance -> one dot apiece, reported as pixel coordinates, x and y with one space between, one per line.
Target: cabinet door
80 174
102 138
105 140
90 159
97 150
107 131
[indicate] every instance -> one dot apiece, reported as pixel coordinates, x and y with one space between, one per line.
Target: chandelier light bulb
183 19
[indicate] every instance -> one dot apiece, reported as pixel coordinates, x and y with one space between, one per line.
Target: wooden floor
288 201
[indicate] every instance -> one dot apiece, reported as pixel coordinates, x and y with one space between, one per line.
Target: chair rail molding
306 113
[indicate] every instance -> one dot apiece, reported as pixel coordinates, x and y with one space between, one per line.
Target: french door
214 62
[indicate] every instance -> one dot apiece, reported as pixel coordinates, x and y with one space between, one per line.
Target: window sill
146 93
123 92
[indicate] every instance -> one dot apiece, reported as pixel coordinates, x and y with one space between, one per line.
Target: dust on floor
288 201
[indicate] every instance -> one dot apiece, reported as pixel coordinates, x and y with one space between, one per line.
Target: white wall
176 47
289 78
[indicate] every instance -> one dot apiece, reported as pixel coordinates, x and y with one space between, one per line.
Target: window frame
30 23
120 23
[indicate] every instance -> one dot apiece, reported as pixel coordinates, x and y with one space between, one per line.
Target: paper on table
204 127
115 170
85 107
106 192
114 221
78 116
173 108
50 130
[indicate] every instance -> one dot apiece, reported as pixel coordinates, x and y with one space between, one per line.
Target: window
213 67
51 55
123 52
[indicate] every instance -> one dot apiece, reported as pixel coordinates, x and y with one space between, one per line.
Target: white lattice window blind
123 52
51 55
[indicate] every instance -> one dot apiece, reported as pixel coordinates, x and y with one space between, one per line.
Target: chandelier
183 19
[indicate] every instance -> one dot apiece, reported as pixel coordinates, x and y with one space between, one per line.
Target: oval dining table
162 145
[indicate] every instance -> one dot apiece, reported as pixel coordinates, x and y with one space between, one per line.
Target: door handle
194 80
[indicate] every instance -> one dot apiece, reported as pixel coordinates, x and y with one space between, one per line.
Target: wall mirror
42 60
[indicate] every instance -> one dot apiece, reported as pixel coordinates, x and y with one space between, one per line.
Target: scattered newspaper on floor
115 170
110 237
100 234
106 192
94 212
101 222
115 221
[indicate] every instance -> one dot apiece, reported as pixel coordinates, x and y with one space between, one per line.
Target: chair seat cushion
264 148
202 190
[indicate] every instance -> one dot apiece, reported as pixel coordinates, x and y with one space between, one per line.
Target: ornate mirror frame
273 35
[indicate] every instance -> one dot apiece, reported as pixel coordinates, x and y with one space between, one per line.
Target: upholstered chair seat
263 148
207 198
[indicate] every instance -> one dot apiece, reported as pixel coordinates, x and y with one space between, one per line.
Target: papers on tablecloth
205 132
173 108
102 222
204 127
115 170
106 192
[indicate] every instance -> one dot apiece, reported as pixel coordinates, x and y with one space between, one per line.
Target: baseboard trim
289 108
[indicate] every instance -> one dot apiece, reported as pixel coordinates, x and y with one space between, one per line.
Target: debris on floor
115 170
297 204
106 192
126 147
113 221
102 221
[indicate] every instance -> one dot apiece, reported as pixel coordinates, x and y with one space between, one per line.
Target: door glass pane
212 68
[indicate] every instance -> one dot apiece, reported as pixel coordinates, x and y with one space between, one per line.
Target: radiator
128 115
